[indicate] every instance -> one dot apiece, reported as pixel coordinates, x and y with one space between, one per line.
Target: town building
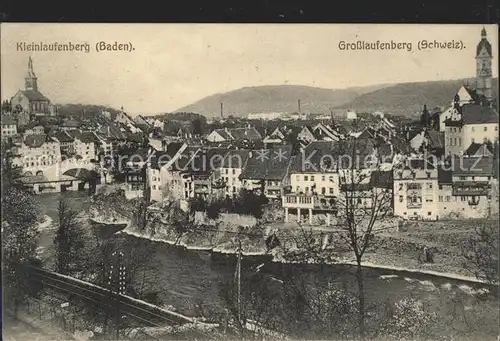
31 100
86 144
465 187
230 170
267 172
475 123
36 153
9 126
158 185
416 190
247 134
66 142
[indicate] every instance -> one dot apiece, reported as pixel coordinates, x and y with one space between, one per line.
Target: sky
173 65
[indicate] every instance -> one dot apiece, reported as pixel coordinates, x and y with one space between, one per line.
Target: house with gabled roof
159 185
86 145
326 133
229 135
268 169
479 149
66 142
474 123
36 153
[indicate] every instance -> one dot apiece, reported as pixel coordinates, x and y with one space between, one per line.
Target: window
401 198
227 171
298 177
312 177
473 129
401 187
448 198
330 190
463 198
429 213
307 190
306 178
323 190
463 178
473 178
429 185
331 178
440 198
429 198
153 187
322 178
485 128
234 171
428 175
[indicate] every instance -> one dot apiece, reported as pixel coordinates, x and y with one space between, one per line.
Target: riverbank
391 249
397 264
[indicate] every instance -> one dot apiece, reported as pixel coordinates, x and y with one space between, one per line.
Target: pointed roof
30 73
484 43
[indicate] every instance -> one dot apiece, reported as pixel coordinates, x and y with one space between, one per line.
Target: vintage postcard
249 181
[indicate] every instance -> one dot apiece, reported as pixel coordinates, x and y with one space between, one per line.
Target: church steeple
30 81
484 76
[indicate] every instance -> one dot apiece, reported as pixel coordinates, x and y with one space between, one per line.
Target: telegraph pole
116 285
238 269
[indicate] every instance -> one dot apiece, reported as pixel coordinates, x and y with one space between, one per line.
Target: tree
69 240
6 106
18 109
480 251
20 218
197 126
362 203
364 198
10 173
425 118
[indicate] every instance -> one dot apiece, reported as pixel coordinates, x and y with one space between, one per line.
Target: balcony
471 188
414 205
315 202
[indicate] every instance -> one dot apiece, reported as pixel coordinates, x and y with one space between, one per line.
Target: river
191 281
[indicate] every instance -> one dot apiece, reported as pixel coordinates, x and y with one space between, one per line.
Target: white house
416 190
36 153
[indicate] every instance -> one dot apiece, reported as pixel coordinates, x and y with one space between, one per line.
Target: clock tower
483 68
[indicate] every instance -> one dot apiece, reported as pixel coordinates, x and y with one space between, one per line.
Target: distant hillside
407 99
275 98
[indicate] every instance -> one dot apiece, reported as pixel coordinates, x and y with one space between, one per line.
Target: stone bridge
66 169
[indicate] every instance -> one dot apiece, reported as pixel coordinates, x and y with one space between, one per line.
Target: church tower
483 67
30 81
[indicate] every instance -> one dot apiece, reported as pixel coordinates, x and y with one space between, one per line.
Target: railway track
144 313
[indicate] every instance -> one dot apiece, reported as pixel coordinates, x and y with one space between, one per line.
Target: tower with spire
31 100
484 58
30 81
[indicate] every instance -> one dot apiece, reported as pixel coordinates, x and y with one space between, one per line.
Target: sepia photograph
250 181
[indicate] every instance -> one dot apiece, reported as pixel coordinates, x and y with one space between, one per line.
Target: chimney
221 110
298 105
